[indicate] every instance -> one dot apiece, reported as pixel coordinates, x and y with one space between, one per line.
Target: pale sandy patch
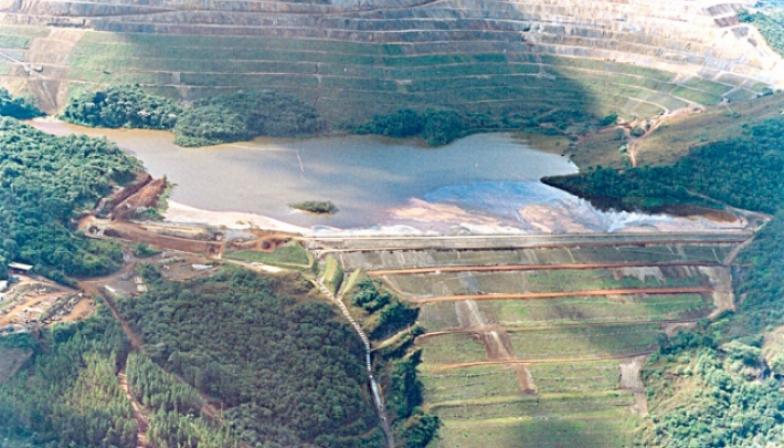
181 213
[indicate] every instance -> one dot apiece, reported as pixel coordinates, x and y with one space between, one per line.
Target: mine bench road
338 244
536 267
563 294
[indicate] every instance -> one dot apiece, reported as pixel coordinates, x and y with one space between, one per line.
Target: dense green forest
122 106
436 127
743 172
176 419
712 387
287 371
44 182
68 394
244 115
278 368
16 107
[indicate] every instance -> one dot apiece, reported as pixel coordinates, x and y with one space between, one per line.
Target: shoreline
182 214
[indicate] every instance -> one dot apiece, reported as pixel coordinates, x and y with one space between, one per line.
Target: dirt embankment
497 343
147 196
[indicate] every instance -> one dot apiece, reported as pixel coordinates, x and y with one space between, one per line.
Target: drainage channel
378 398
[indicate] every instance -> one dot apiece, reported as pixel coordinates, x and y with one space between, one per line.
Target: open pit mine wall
682 39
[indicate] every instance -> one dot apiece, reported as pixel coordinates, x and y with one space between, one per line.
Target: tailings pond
484 183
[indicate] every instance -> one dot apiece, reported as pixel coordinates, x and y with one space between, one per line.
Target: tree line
45 181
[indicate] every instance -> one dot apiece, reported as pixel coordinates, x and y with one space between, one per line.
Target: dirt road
529 362
533 267
562 294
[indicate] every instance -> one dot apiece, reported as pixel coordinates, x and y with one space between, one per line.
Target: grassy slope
579 400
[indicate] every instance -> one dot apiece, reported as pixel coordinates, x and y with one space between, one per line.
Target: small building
3 286
20 268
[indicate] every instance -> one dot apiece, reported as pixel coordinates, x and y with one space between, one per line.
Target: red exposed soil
146 196
561 294
138 234
513 362
569 325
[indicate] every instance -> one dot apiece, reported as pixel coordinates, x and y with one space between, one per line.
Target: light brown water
365 177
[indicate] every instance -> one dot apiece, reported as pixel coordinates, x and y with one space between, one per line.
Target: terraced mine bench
539 340
352 60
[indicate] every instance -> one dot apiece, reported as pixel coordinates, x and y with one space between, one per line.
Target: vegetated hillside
715 386
68 394
72 393
743 172
518 63
286 371
391 326
44 182
235 359
237 116
719 385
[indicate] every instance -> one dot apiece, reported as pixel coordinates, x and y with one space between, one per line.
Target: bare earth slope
519 60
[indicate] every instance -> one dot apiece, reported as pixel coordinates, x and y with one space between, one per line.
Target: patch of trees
387 314
759 282
769 24
744 172
713 397
176 419
414 428
436 127
245 115
16 107
210 121
44 182
68 394
122 106
287 370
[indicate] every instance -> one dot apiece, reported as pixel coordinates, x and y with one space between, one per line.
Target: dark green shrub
123 106
244 115
210 125
16 107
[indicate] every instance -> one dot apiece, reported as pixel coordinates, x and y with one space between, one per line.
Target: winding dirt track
534 267
562 294
140 414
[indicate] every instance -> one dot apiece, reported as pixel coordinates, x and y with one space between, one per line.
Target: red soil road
207 408
140 414
513 362
138 234
561 294
532 267
512 329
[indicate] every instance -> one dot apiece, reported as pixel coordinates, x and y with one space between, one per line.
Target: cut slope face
519 60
